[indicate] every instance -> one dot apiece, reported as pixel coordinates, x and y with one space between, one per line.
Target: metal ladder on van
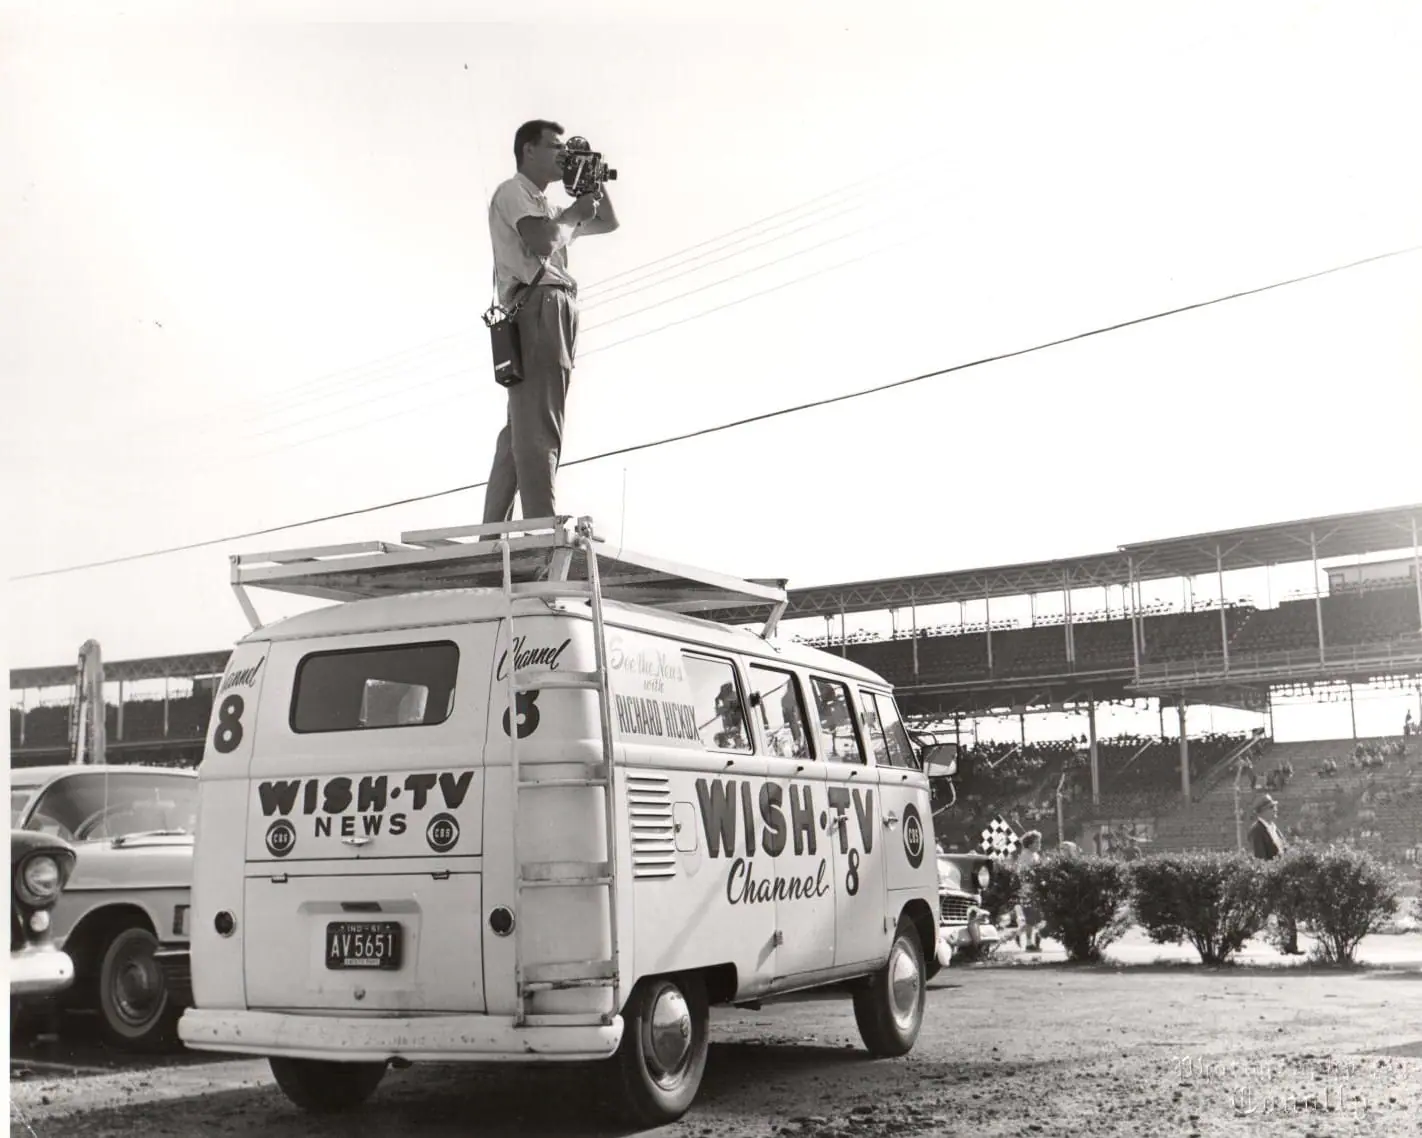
532 978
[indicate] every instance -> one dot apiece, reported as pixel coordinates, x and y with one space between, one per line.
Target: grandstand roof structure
151 668
1280 543
1250 547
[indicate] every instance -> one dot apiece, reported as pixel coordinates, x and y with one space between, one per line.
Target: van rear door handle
359 841
891 819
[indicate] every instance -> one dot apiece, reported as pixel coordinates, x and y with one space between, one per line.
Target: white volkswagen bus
510 800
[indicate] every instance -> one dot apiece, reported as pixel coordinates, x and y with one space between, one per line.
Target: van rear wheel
666 1030
889 1008
323 1087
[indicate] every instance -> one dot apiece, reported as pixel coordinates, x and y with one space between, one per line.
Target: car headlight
40 879
984 877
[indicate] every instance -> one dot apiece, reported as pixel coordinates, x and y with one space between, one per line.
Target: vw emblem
442 833
281 838
913 836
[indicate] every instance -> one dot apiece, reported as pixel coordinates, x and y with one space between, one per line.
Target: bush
1339 894
1084 901
1216 901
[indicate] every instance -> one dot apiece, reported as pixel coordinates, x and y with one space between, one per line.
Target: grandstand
1363 628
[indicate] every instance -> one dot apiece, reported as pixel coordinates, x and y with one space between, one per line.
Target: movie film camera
584 170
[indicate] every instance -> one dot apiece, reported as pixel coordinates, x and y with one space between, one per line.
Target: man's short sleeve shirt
515 199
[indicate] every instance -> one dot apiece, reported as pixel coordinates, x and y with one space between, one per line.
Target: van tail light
180 920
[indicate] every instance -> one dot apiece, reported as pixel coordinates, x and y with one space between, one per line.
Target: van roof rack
454 558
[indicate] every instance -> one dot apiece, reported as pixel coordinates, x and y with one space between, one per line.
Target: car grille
954 910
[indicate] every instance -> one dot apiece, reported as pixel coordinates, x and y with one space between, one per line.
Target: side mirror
940 760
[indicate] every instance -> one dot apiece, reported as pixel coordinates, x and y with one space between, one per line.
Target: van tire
324 1087
657 1088
136 1010
889 1008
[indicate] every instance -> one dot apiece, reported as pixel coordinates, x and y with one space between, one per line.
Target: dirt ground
1023 1046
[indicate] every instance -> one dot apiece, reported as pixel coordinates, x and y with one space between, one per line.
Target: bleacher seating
47 726
1370 617
1373 807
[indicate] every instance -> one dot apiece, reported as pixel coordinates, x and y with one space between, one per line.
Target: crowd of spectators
1366 756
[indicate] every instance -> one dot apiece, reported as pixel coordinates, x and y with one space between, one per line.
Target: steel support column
24 713
843 637
1091 743
987 600
1417 571
1352 712
1135 618
118 732
165 707
1066 598
1224 624
1317 599
913 617
1184 754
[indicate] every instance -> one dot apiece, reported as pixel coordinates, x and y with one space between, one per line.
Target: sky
245 256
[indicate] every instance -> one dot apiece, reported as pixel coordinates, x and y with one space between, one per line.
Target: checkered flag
1000 841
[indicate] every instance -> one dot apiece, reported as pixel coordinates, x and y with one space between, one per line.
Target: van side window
720 711
403 685
888 738
839 741
782 712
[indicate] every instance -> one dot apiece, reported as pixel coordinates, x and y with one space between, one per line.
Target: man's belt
565 286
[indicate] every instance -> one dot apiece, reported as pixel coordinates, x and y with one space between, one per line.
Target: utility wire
466 369
389 366
764 416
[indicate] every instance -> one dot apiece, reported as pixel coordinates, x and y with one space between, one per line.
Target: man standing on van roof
529 234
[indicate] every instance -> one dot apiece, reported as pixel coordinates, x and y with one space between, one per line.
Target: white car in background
962 920
123 915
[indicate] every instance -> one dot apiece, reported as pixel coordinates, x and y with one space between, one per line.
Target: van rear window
403 685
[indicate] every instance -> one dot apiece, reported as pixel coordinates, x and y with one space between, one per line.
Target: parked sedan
39 866
122 917
962 920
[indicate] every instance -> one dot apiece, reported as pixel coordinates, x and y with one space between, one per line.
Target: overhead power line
676 264
746 421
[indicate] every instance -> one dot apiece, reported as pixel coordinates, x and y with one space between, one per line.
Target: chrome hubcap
905 983
138 989
668 1029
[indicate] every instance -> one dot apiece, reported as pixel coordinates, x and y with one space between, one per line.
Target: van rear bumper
374 1039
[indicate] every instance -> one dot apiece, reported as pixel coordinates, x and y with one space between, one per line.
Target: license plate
363 944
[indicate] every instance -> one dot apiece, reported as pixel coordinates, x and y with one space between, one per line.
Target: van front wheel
323 1087
889 1008
666 1033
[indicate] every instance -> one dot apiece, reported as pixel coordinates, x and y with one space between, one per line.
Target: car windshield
111 804
19 799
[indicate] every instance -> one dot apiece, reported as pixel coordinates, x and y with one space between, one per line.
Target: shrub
1084 901
1216 901
1340 895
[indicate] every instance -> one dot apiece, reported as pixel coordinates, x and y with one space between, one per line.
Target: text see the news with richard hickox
1301 1084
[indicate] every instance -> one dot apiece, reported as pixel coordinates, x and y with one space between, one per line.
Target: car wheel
323 1087
136 1011
666 1032
889 1008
